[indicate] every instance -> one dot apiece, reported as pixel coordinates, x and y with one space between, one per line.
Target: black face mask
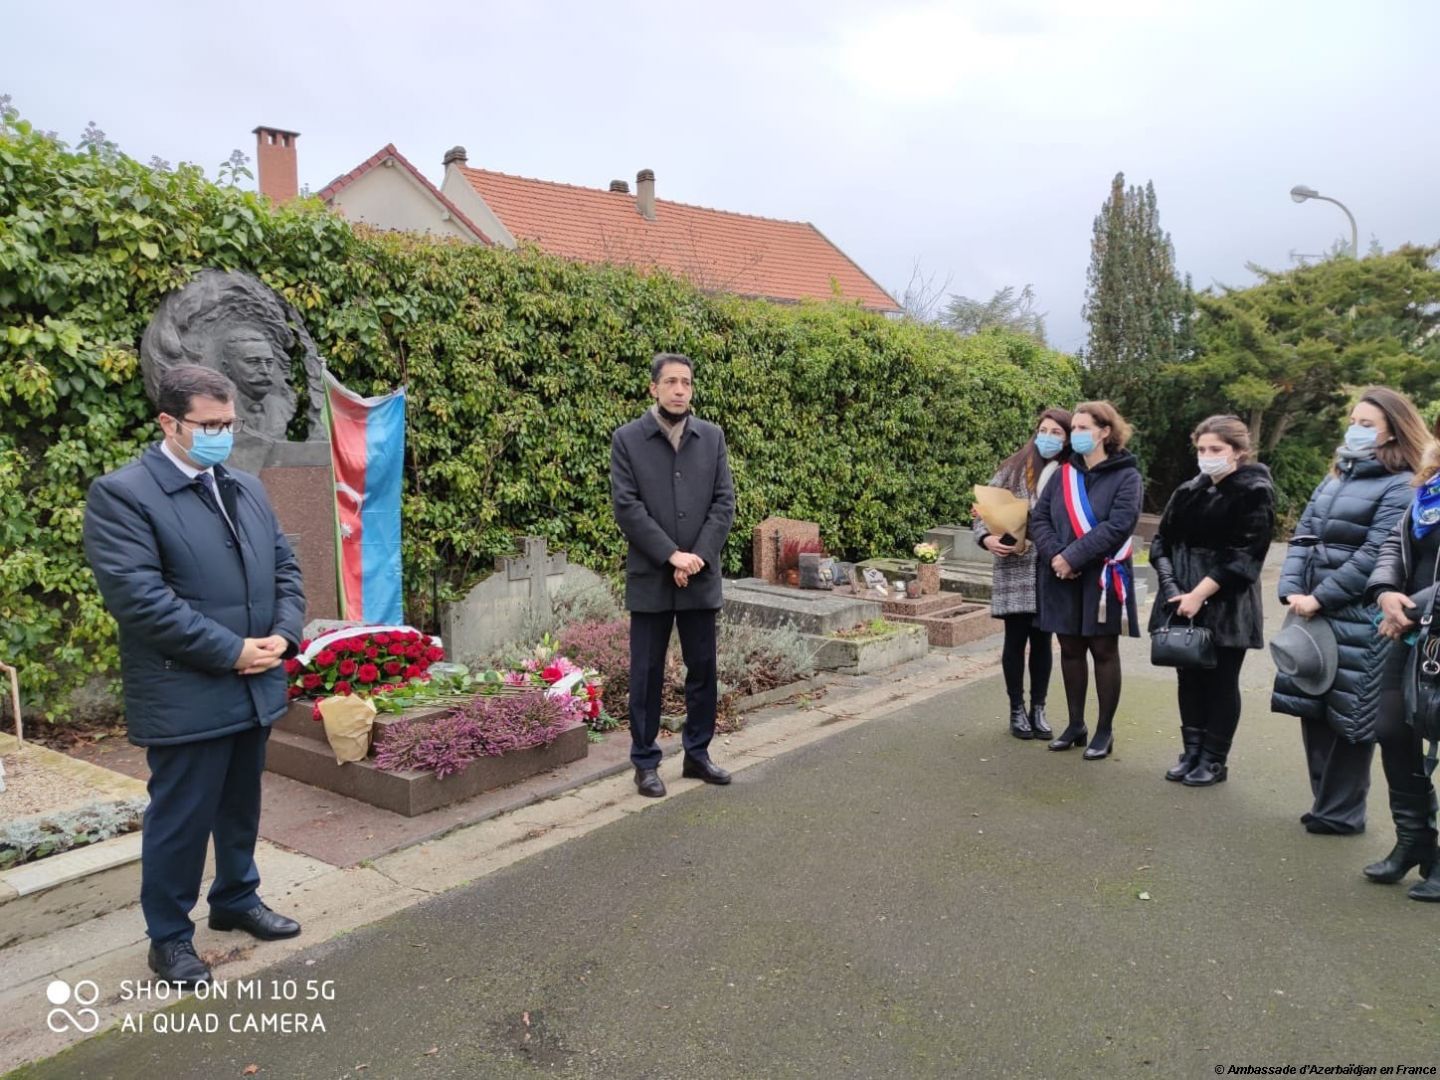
673 418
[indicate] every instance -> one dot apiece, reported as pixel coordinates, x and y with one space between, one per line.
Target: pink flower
516 678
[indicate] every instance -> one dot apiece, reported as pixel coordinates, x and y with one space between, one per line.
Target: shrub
35 838
486 727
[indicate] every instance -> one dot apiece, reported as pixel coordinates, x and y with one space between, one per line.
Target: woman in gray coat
1012 593
1330 559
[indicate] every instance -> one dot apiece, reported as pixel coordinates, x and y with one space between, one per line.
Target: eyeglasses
217 428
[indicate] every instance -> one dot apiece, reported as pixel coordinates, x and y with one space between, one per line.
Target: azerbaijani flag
367 456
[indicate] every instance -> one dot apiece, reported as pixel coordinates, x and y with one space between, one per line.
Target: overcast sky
977 139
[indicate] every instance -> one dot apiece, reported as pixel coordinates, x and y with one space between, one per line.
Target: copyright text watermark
1327 1070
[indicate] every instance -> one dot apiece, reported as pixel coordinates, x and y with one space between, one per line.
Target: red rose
304 644
412 672
369 673
316 715
594 708
396 650
415 652
552 674
293 692
394 667
342 687
292 666
311 681
347 667
434 654
371 652
326 658
381 639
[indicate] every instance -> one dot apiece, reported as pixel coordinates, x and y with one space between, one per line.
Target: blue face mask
208 450
1359 438
1048 445
1082 442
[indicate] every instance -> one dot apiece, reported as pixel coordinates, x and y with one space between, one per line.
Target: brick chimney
276 165
620 186
645 193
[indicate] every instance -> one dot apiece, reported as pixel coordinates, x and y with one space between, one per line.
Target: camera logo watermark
84 993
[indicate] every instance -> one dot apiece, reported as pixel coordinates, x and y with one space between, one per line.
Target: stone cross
536 564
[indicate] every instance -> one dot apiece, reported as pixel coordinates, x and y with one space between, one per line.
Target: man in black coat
674 501
191 562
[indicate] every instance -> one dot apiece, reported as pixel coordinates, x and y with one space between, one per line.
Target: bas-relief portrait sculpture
239 326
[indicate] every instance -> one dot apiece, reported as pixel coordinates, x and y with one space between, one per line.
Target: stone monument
237 325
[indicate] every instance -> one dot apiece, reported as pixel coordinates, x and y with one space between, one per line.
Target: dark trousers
1339 775
199 790
649 640
1020 633
1210 697
1402 754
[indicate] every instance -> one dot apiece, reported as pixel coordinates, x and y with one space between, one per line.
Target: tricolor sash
1082 519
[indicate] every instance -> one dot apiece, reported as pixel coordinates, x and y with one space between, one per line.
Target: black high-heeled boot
1415 841
1101 745
1210 769
1191 738
1020 723
1038 723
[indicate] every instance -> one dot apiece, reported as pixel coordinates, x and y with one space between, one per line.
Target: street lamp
1301 192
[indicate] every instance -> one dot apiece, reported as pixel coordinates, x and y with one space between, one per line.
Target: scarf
1425 510
674 429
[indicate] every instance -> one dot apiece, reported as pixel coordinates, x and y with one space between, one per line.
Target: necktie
208 479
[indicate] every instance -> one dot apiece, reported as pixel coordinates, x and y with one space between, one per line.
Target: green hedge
519 366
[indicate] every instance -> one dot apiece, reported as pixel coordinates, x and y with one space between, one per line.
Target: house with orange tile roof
718 250
385 190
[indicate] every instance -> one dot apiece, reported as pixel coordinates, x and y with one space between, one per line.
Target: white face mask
1215 467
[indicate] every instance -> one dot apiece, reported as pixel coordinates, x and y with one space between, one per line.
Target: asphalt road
917 897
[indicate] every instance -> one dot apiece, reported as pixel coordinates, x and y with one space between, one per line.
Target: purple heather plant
485 727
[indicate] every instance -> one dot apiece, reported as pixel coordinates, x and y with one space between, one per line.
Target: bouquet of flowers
927 553
560 677
369 661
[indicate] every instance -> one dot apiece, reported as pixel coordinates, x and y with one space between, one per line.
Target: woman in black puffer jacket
1326 570
1403 585
1207 554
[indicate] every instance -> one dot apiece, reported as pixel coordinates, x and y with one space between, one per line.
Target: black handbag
1187 646
1424 703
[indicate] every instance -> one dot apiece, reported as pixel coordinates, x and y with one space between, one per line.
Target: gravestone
495 611
767 542
237 325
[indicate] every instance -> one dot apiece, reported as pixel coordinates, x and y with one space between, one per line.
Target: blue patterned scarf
1425 510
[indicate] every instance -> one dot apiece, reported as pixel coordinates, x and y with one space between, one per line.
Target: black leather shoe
1038 723
1429 889
704 769
1020 723
1415 840
1101 747
649 783
1321 827
176 962
1071 736
258 922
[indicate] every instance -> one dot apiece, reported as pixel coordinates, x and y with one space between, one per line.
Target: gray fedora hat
1305 652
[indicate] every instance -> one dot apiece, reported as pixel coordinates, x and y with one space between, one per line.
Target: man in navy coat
674 500
191 562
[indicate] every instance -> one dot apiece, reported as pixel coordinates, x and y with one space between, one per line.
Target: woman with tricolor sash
1083 529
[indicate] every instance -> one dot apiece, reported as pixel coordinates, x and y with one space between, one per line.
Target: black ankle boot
1190 738
1414 816
1210 768
1038 723
1020 723
1429 889
1101 745
1073 735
